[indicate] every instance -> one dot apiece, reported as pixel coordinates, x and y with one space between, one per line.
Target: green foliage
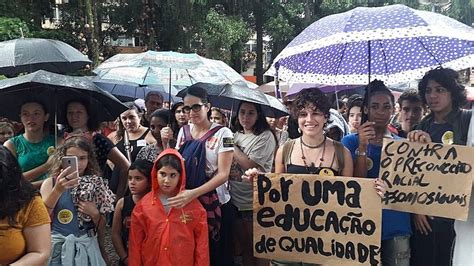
221 33
61 35
30 11
10 28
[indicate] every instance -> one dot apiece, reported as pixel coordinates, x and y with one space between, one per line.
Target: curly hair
312 97
261 124
80 143
15 191
449 79
120 128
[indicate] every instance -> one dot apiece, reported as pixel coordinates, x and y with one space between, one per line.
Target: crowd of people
175 184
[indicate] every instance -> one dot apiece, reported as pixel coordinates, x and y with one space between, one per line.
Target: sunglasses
195 107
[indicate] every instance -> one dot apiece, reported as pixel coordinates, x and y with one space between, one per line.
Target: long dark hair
15 191
92 122
449 79
261 124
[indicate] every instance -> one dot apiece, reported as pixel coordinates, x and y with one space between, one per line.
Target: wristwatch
358 153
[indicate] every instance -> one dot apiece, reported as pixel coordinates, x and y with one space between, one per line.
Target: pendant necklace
303 157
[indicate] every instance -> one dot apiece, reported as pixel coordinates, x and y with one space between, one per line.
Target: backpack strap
187 132
286 151
210 133
339 150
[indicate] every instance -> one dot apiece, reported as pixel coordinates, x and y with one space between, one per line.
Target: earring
299 130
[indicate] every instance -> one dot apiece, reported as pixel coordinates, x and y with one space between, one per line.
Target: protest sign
431 179
315 219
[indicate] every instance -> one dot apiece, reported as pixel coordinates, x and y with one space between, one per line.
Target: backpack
194 154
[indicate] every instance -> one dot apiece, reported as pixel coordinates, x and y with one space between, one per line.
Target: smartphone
70 161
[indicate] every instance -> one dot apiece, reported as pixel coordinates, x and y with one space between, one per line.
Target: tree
12 28
224 35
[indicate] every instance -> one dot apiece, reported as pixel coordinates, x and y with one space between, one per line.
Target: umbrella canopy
128 91
56 91
391 43
164 68
30 54
228 96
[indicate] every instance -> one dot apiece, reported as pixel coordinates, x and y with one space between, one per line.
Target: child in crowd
77 202
6 132
160 234
139 179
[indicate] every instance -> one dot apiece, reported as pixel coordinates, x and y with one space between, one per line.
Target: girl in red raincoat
161 235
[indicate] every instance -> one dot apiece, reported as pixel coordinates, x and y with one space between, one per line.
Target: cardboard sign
315 219
431 179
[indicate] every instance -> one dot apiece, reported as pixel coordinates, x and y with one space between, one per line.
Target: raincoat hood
155 187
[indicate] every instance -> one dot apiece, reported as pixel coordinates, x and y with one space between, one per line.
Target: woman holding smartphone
366 148
77 199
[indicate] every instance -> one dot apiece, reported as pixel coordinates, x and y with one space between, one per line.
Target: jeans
396 251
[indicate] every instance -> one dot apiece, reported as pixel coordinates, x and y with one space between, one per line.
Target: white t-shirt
221 141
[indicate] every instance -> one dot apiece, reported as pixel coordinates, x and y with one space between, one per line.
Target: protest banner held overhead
317 219
431 179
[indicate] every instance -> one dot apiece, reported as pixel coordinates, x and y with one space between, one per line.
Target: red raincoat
178 238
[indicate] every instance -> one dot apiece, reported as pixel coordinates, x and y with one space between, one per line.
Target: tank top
133 145
316 170
128 205
31 155
64 217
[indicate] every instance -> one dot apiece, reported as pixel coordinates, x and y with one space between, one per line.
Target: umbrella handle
126 144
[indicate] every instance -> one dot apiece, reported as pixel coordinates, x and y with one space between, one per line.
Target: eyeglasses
195 107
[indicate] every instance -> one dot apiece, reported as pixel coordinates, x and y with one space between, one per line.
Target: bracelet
359 153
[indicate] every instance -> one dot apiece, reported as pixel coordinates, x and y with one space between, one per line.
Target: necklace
312 165
315 146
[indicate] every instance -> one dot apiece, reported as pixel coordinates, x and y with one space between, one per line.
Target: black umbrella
30 54
56 90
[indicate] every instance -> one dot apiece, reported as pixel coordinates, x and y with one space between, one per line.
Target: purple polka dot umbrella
391 43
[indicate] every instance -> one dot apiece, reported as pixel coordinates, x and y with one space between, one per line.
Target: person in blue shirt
365 147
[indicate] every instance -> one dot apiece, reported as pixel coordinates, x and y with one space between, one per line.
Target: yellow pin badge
448 138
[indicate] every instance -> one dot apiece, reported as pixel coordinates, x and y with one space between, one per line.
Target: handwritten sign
316 219
431 179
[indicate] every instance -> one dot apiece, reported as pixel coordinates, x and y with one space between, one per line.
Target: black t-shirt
437 131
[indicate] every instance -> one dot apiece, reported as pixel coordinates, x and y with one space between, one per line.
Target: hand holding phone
366 132
71 162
